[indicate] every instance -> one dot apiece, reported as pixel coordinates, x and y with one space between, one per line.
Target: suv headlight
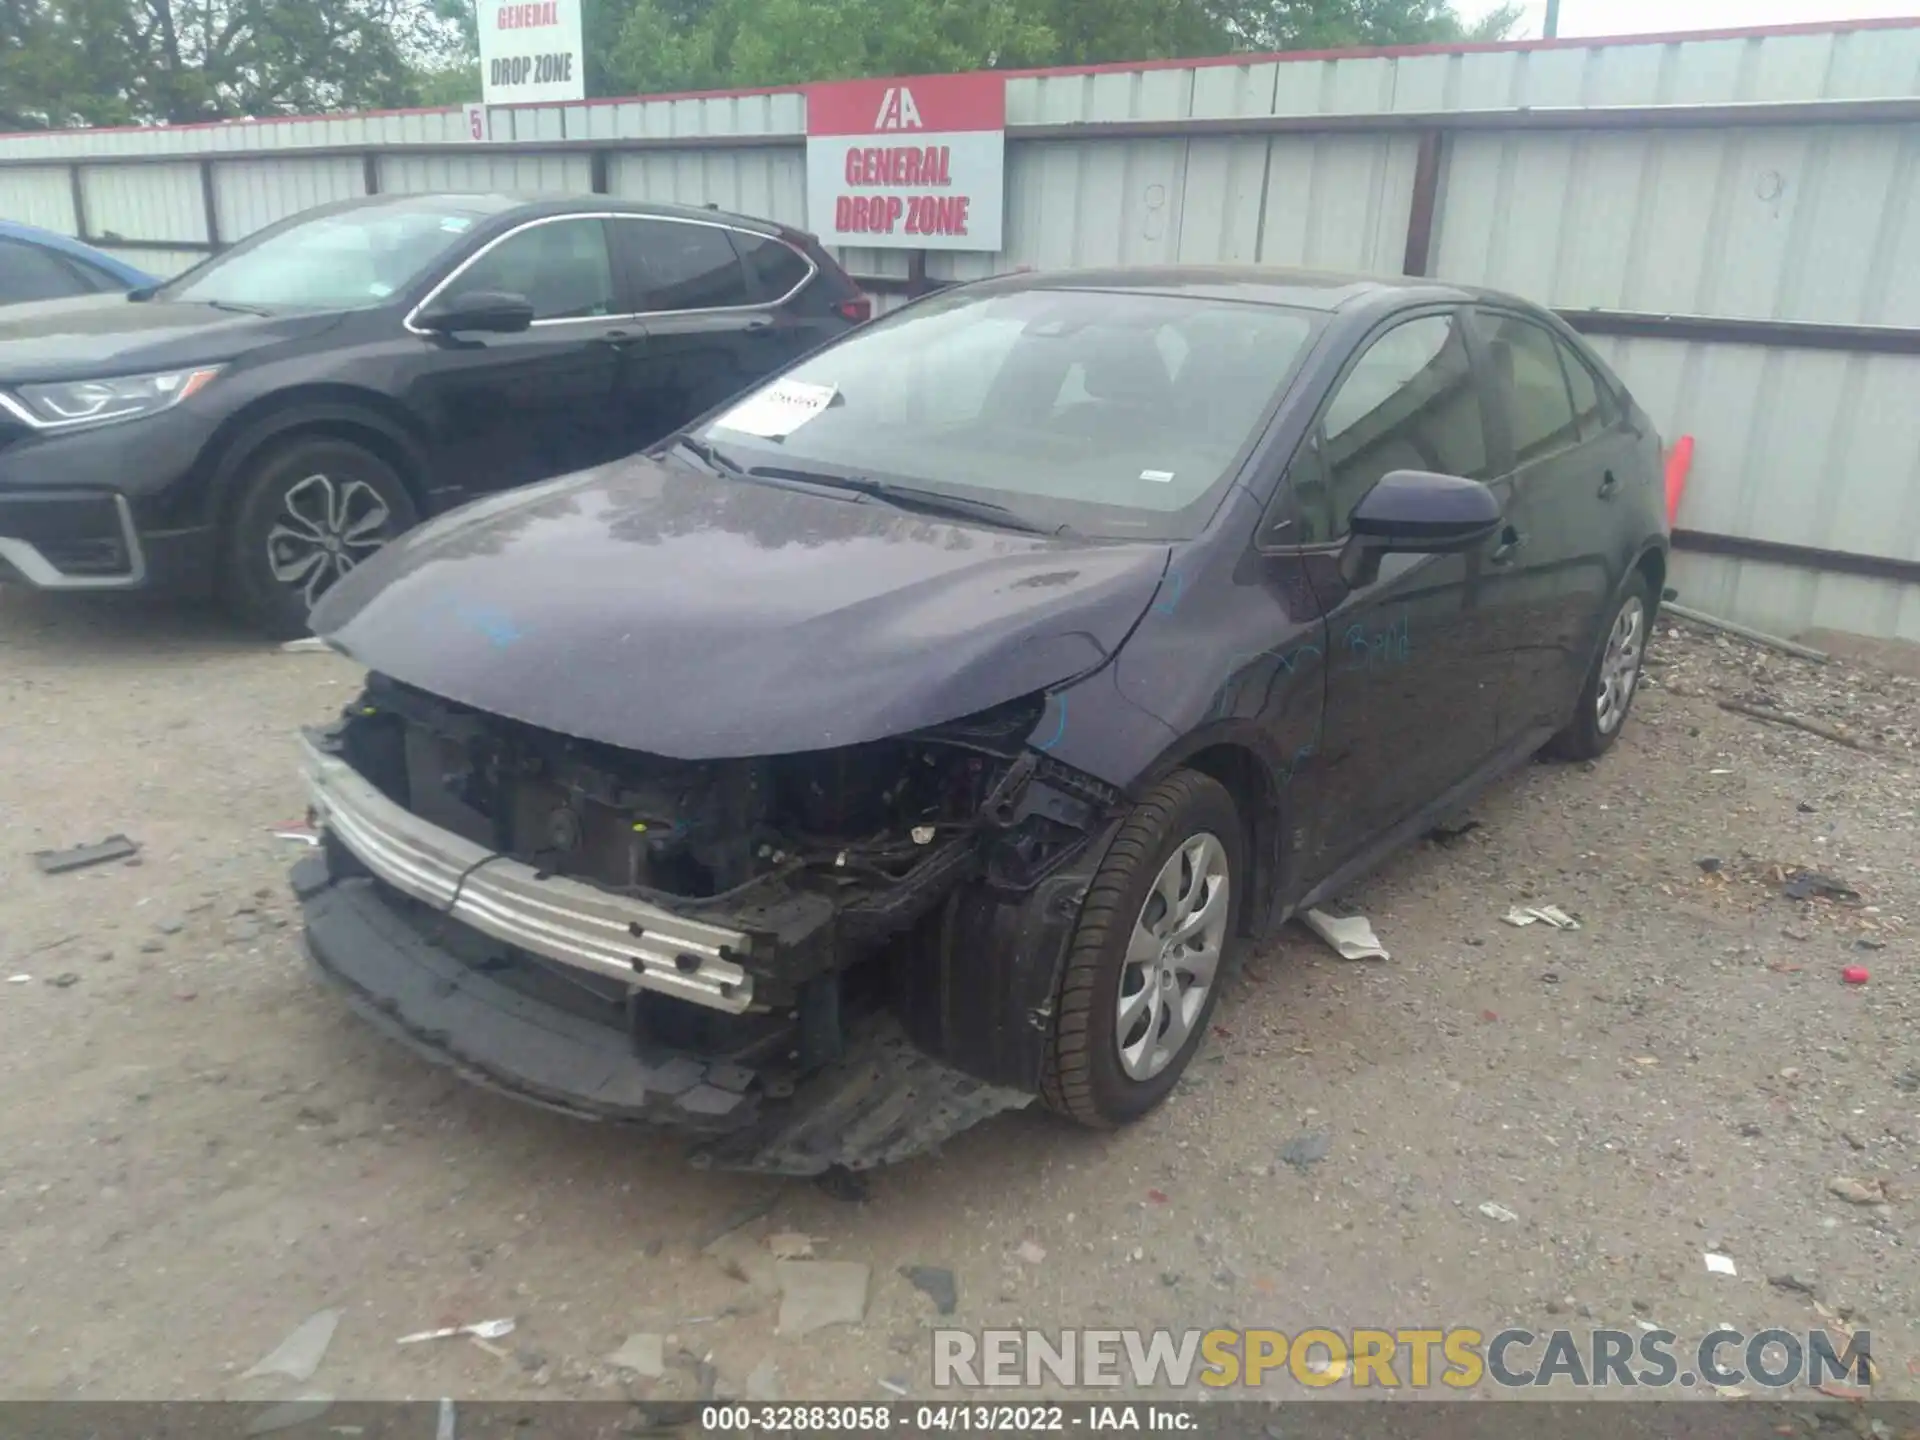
122 397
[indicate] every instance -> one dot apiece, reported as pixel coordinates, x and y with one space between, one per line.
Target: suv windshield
343 260
1115 413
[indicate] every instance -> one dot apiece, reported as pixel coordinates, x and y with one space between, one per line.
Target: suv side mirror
493 311
1415 512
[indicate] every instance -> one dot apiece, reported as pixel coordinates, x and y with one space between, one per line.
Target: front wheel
1608 693
309 512
1144 967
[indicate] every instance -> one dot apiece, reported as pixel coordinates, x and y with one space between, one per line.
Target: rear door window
683 265
1524 364
1593 407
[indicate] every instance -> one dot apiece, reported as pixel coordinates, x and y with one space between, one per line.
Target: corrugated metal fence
1735 219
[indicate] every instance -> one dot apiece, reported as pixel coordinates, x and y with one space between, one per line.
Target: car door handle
621 339
1510 542
1609 486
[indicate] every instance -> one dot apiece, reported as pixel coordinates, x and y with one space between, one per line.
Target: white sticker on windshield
455 223
778 410
1159 477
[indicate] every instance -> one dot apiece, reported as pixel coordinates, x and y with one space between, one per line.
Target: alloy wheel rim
1172 957
1620 666
324 529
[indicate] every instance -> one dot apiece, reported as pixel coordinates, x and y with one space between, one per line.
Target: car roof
1298 289
79 249
515 208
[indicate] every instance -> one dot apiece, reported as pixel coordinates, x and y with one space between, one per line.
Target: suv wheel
309 511
1608 694
1146 961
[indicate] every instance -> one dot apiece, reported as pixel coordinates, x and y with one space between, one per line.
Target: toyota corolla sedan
926 729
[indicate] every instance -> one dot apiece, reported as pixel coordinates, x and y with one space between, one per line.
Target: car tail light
859 309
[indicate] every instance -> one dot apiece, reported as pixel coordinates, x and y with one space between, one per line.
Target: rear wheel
1608 694
1144 967
309 511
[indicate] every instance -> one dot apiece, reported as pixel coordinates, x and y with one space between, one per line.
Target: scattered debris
1759 637
1447 834
1350 936
300 1354
1306 1150
745 1259
1799 722
485 1329
1719 1264
48 945
791 1245
1791 1282
1157 1197
1552 915
742 1215
763 1382
1858 1192
299 834
1809 884
936 1284
66 978
644 1353
894 1387
1853 975
1710 864
1498 1212
305 645
58 862
818 1293
19 979
289 1413
1028 1251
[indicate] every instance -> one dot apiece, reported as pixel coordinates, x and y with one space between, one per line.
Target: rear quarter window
776 268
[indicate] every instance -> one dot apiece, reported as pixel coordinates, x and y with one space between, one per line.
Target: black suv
258 426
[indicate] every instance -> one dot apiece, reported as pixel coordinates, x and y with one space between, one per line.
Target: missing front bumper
611 936
882 1102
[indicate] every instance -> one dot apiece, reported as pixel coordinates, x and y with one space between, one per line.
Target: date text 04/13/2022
957 1417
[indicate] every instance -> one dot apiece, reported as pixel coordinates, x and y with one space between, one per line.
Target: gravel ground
201 1148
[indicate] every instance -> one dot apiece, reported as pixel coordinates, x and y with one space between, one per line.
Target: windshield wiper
907 497
237 308
709 455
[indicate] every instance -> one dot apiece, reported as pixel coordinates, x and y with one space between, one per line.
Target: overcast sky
1640 17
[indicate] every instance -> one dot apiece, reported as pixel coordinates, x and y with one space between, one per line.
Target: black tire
1083 1077
1588 735
303 478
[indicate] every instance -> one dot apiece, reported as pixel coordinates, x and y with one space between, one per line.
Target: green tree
102 62
699 44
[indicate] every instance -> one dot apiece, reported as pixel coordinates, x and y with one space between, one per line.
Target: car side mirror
1415 512
493 311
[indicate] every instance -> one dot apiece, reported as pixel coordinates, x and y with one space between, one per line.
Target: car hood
112 335
688 615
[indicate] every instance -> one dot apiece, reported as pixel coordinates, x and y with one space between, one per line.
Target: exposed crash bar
553 917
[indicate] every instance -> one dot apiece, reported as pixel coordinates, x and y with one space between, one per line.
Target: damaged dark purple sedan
925 730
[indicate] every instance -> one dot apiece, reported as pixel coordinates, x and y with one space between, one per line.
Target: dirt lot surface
200 1147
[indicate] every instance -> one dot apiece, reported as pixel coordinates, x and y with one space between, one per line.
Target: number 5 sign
476 122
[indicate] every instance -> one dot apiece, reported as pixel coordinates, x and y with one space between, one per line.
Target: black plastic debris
58 862
1710 864
936 1284
1444 834
1811 884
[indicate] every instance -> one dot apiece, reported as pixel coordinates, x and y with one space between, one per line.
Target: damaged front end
834 958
